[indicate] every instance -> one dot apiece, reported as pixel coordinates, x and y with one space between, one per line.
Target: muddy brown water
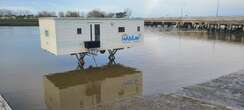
165 63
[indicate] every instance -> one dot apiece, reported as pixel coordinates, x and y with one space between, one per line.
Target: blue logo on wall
130 38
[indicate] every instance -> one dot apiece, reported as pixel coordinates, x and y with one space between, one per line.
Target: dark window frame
121 29
138 28
79 31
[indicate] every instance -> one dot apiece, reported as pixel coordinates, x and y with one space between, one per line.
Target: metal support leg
111 56
80 58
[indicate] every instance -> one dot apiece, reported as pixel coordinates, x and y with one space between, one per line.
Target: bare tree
128 12
16 14
46 14
22 13
120 15
96 13
125 14
72 14
61 14
5 12
93 13
82 14
110 15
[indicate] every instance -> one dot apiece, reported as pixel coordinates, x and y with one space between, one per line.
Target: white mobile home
62 36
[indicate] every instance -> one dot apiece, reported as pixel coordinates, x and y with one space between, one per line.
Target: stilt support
80 58
111 56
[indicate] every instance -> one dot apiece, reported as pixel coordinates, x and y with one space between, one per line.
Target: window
46 33
79 31
138 28
121 29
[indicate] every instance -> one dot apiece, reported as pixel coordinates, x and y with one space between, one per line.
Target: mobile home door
95 32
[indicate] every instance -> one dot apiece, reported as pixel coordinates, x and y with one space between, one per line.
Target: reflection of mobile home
78 90
76 35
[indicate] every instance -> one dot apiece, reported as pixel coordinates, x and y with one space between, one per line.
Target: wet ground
224 93
162 102
227 91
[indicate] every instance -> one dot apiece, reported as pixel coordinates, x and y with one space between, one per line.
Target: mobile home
68 35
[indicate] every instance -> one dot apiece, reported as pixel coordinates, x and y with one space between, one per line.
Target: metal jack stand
80 57
111 56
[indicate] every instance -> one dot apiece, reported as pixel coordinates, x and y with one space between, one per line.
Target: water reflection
82 89
227 37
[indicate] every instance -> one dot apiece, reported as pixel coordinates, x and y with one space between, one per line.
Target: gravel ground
227 90
3 104
161 102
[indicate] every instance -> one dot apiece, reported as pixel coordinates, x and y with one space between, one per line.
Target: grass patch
76 77
19 22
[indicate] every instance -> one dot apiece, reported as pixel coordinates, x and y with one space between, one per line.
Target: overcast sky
140 8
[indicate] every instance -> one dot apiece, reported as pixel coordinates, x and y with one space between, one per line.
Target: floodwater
32 79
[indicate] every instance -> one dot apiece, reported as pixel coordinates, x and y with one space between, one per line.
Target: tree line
93 13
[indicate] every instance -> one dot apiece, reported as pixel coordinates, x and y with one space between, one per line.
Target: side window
46 33
79 31
138 28
121 29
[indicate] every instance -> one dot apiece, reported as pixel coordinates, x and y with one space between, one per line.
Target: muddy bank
227 91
